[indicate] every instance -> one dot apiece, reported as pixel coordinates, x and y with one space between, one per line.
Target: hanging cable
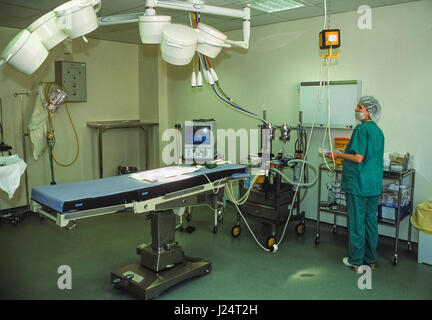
319 101
302 171
240 201
327 128
236 106
227 100
321 95
208 61
205 64
48 100
325 15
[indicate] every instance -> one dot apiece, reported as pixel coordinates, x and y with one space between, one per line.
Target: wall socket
72 76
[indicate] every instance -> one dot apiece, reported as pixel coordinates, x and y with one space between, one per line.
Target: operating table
163 262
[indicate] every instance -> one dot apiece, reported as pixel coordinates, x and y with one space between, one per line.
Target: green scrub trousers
362 229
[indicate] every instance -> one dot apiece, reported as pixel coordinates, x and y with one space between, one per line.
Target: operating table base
163 263
148 284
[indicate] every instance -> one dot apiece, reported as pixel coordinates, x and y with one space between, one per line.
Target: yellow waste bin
340 145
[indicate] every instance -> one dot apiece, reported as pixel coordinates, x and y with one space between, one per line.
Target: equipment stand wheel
317 239
271 240
215 229
300 228
395 259
235 231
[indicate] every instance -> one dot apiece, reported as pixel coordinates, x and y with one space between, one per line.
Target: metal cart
269 203
401 212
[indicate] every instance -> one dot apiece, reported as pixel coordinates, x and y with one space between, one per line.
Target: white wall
112 94
393 60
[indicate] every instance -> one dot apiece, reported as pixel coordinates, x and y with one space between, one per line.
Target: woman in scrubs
362 177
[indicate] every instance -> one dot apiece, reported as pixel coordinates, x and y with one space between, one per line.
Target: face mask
359 116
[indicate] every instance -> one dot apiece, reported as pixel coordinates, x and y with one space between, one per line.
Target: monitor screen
201 135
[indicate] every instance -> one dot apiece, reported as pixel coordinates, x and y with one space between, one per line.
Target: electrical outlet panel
72 76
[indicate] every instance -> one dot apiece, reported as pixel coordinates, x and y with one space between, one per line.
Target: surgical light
29 49
25 52
210 40
47 29
275 5
178 44
78 17
150 28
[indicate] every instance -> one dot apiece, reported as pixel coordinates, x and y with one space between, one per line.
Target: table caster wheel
409 246
395 260
300 228
317 239
235 231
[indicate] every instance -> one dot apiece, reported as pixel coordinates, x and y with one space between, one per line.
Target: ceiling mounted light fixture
150 28
76 18
271 6
29 49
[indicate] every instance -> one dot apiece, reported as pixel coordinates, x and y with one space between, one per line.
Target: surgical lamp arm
246 36
120 19
191 7
201 8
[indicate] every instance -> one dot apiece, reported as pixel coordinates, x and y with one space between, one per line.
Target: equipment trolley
270 203
390 214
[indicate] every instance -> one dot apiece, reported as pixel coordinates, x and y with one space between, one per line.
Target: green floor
31 253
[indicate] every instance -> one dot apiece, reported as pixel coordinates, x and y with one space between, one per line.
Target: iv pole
24 134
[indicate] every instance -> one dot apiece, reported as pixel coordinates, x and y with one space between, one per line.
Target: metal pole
1 127
317 237
100 131
411 209
51 161
24 148
395 258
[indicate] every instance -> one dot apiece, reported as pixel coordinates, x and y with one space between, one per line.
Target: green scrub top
365 178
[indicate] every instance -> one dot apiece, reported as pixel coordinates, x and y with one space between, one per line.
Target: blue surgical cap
372 105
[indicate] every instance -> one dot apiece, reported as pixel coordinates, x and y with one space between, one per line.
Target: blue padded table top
98 193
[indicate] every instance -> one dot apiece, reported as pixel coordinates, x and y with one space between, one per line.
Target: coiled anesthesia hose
294 161
47 90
